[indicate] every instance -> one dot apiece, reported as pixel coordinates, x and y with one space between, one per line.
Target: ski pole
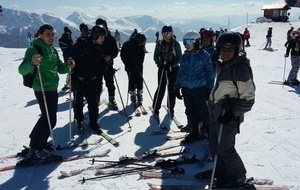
45 103
168 93
146 87
70 103
263 44
158 89
284 69
126 115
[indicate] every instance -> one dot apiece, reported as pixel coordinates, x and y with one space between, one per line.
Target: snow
268 143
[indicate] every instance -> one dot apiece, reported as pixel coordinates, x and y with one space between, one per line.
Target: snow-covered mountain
15 24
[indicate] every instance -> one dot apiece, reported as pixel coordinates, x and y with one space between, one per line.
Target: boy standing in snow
232 96
133 55
195 80
269 39
47 74
294 48
166 56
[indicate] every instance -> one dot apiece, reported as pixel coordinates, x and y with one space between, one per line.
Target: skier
157 36
293 48
288 36
166 56
269 39
246 37
45 92
117 37
29 38
110 51
133 55
87 54
194 81
208 38
66 44
227 105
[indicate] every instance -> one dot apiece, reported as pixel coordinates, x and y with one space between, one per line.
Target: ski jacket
269 33
213 54
109 47
169 52
66 44
50 66
133 55
227 95
294 48
195 71
88 58
246 34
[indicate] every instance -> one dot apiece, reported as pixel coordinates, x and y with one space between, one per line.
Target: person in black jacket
293 48
133 55
269 38
110 51
87 54
66 44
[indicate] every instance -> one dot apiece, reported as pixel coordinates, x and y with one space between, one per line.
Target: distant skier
117 37
269 39
288 36
247 37
157 37
29 38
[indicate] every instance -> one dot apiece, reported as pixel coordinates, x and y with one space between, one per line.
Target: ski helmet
229 39
191 37
101 21
166 28
208 34
140 38
98 31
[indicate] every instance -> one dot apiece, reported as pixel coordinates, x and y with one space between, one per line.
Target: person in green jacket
49 66
167 54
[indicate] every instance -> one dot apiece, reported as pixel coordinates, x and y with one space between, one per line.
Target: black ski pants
108 76
195 106
161 89
87 89
40 132
135 80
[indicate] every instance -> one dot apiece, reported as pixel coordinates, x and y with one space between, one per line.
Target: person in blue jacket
194 82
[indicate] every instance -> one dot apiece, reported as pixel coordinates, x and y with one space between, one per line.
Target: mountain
15 24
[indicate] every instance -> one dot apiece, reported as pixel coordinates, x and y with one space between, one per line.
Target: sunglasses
166 33
227 49
188 42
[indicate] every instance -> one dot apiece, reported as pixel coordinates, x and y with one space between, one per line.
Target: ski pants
195 106
108 76
269 42
161 89
135 81
40 132
87 89
295 60
229 162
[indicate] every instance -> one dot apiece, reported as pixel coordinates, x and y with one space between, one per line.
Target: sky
156 8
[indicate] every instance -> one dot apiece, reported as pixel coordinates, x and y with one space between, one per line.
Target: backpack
29 78
234 73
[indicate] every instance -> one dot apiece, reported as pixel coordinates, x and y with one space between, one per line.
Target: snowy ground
268 143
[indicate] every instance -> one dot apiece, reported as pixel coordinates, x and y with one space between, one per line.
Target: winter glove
286 55
226 118
178 94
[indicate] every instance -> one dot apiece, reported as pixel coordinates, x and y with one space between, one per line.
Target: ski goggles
188 42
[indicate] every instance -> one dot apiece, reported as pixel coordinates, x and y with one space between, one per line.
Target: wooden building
276 12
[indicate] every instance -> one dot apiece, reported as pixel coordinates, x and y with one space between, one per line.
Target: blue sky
161 9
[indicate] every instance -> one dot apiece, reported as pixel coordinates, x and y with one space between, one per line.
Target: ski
177 137
109 139
201 187
65 159
280 83
177 123
182 175
166 132
50 148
